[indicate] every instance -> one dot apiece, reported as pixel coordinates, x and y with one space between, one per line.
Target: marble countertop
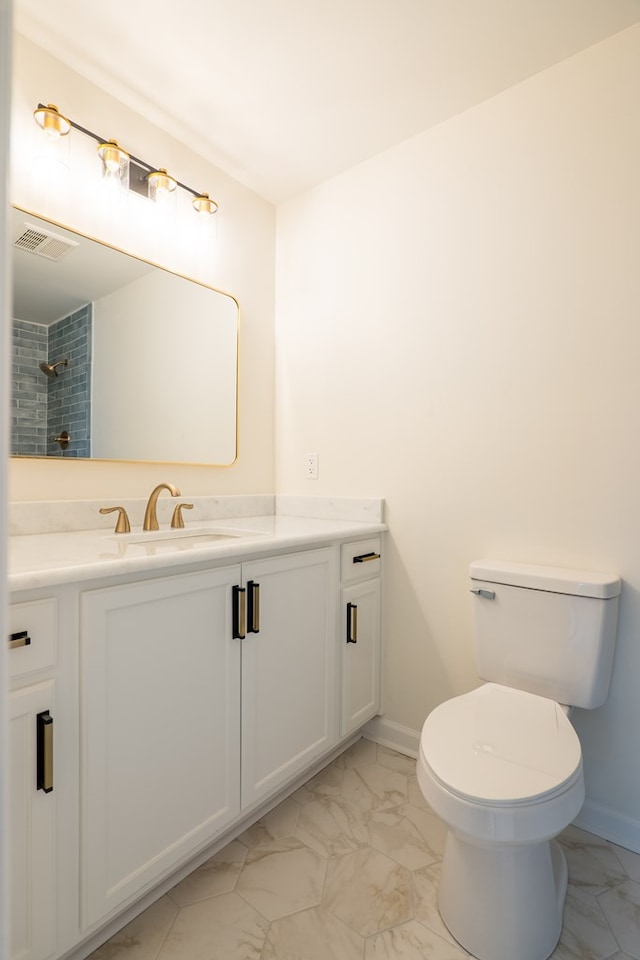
39 560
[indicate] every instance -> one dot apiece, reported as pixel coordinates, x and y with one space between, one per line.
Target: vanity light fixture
120 166
204 205
115 163
51 121
161 185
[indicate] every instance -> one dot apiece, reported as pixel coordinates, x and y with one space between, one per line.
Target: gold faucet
177 520
150 514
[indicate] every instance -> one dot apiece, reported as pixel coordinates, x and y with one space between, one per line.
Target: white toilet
502 765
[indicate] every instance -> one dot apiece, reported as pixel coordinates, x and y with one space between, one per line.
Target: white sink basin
180 535
180 539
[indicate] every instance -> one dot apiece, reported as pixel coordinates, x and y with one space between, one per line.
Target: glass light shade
161 185
49 119
204 205
115 163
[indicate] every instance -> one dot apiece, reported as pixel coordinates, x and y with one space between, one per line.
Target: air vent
44 244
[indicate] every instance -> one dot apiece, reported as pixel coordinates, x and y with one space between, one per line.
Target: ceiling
46 289
282 94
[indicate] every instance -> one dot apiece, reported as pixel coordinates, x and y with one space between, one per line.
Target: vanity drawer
360 560
32 636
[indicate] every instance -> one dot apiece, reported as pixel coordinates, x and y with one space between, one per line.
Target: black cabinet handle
253 607
366 557
239 613
44 751
352 623
20 639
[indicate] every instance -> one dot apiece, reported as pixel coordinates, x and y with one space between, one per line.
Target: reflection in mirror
115 358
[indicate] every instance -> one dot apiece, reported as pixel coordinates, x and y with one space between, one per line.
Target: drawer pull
21 639
366 557
239 613
44 752
253 607
352 623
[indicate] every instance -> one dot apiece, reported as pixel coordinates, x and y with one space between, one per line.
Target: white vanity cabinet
160 721
179 704
288 668
31 780
201 694
360 633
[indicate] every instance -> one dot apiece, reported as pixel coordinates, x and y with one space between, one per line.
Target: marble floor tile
217 875
143 937
592 862
282 877
586 935
312 934
275 825
361 752
373 787
412 941
326 783
396 761
621 907
630 862
368 891
415 838
332 826
348 868
223 928
414 794
425 900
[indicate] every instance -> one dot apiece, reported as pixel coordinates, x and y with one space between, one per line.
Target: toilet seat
501 746
499 765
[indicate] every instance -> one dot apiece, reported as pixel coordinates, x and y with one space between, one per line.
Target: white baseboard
594 817
393 735
610 825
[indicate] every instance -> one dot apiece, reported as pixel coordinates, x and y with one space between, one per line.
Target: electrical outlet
311 466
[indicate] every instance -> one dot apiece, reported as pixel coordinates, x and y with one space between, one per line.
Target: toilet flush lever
486 594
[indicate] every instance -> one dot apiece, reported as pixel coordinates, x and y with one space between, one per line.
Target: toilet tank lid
580 583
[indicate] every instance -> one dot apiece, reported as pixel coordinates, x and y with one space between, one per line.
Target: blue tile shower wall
28 389
42 408
69 394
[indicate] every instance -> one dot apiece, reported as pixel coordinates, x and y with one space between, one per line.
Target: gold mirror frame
171 368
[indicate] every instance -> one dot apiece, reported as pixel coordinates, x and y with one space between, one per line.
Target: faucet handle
122 523
177 520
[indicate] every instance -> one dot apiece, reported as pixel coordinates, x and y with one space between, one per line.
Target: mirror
114 357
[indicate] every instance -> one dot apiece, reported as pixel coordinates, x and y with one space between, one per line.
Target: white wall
457 330
240 261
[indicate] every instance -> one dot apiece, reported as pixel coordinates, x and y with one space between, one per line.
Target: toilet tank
546 630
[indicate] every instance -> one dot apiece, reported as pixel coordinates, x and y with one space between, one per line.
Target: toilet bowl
503 770
502 765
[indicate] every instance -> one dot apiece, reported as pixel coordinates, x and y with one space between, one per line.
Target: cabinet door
288 669
360 655
31 824
160 704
